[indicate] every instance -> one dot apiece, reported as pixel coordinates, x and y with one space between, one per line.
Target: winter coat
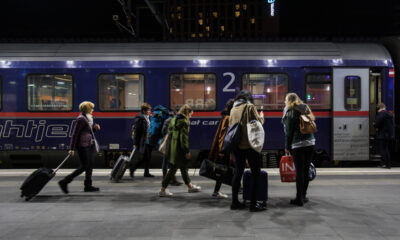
179 127
140 129
250 114
384 124
218 141
164 129
81 135
291 122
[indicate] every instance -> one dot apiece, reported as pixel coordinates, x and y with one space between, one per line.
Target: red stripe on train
196 114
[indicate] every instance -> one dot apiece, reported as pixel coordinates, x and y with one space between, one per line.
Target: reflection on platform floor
344 204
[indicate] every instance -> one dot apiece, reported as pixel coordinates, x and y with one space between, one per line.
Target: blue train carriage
43 84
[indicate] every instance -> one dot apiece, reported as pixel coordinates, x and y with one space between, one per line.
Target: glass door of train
350 114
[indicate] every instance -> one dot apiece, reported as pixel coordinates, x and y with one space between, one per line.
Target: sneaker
219 195
165 193
64 186
194 189
257 208
91 189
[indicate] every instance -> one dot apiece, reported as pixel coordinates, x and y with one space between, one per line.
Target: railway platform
345 203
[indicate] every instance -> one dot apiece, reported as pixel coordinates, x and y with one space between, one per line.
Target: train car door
350 114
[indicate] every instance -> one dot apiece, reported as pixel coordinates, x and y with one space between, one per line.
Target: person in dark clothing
83 140
140 129
216 153
244 105
384 133
301 145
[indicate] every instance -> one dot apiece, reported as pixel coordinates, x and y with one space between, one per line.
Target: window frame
344 95
319 82
216 90
119 73
288 87
36 74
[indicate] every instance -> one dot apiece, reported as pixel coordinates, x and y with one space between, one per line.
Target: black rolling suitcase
37 180
262 194
120 167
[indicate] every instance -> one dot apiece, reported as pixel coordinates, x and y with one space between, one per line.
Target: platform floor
344 204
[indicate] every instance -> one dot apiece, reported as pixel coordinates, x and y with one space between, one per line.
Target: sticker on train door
350 114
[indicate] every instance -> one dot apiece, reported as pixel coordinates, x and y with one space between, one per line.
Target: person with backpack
140 135
179 151
165 162
384 133
301 145
244 111
216 153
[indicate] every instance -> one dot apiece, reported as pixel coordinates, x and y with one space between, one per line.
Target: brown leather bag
307 124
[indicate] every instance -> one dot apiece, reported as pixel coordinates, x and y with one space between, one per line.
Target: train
41 86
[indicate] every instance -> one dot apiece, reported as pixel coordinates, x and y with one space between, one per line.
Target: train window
318 91
196 90
120 92
49 92
268 90
352 93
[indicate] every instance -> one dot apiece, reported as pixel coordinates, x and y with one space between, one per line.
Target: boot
63 185
89 187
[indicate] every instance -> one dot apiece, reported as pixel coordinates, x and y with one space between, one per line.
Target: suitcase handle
130 156
65 159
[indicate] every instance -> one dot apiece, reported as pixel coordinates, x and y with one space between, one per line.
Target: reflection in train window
352 93
196 90
120 92
318 91
49 92
269 90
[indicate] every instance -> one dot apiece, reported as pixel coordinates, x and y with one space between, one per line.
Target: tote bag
233 136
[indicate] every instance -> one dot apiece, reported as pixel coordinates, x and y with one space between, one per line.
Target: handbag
287 169
211 169
233 136
255 134
307 124
165 145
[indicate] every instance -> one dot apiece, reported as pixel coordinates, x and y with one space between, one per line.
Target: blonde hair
85 106
185 110
293 99
145 107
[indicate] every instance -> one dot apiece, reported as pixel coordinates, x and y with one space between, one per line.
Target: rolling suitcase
120 167
37 180
262 194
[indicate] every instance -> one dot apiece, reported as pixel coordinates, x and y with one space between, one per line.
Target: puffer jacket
179 127
291 123
81 135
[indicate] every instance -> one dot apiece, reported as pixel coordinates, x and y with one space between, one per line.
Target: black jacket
384 125
140 129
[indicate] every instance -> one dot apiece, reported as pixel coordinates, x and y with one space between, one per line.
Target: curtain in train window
318 91
352 93
120 92
196 90
268 90
49 92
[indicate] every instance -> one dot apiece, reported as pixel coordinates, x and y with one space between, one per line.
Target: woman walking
84 141
180 151
216 153
301 145
244 105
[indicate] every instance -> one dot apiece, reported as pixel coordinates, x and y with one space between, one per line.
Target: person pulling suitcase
84 141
